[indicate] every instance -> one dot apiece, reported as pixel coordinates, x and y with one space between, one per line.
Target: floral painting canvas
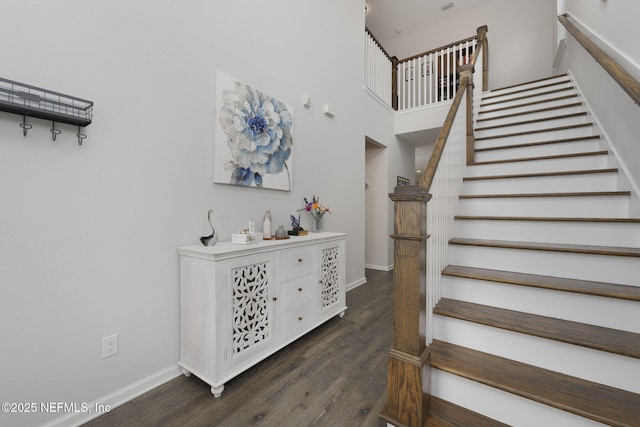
253 137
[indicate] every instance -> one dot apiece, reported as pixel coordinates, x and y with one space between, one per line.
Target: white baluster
445 189
433 61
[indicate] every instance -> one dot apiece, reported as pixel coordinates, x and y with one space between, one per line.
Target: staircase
539 321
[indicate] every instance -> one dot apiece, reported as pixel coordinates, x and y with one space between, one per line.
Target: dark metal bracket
27 100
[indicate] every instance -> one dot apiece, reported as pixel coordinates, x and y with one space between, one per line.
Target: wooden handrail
409 362
436 154
441 141
626 81
394 70
378 43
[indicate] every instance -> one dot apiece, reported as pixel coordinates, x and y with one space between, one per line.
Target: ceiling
387 19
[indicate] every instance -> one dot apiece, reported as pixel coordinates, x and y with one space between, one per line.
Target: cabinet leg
341 314
217 391
186 373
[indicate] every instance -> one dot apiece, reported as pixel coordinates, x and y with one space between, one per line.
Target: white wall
89 234
379 128
399 159
429 117
616 22
613 22
376 207
521 38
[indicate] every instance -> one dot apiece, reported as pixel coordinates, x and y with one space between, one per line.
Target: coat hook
81 136
54 132
25 126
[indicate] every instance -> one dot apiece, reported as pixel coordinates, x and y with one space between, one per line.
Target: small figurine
213 238
295 224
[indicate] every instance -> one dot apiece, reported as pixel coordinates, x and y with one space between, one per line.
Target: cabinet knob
299 259
299 317
299 289
275 298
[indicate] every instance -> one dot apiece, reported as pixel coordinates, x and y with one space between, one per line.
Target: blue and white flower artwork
253 137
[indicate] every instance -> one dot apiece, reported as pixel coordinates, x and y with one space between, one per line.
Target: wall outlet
109 346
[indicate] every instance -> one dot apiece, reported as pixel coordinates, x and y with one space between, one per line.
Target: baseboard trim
355 284
379 267
117 398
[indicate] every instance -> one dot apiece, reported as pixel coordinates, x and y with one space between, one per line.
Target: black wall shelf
31 101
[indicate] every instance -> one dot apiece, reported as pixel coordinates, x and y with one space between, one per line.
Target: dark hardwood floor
334 376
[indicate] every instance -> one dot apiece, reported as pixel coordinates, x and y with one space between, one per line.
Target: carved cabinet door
249 325
332 293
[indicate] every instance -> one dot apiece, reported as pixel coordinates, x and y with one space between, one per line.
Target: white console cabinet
241 303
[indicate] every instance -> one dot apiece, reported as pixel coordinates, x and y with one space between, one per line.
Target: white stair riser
532 166
527 127
487 112
532 85
569 109
501 405
579 233
598 268
497 140
537 150
588 364
543 184
569 136
512 101
518 92
588 309
568 206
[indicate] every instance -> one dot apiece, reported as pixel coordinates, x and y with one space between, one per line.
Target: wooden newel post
482 41
394 82
408 386
467 71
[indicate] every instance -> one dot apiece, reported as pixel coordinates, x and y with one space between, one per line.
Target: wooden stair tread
533 144
549 218
541 174
539 110
530 82
528 122
522 90
595 401
447 414
526 195
551 157
550 247
437 421
534 131
590 336
528 104
601 289
518 98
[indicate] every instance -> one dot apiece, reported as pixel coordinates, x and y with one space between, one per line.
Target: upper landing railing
420 80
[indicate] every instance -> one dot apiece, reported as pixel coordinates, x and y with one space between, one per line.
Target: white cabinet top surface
228 249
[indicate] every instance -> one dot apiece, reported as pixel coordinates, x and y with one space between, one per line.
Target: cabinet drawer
298 320
298 291
295 261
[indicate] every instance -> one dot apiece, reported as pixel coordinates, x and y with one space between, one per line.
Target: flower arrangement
316 210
